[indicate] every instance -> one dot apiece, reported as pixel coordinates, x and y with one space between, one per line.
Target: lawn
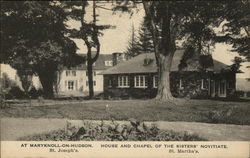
209 111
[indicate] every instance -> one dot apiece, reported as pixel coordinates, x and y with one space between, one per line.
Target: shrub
33 93
135 131
15 93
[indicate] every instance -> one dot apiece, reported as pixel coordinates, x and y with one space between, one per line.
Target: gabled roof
136 64
99 64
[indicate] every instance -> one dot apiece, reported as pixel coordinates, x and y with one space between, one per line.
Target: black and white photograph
125 70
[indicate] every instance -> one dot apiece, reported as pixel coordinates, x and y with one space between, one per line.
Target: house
74 81
137 77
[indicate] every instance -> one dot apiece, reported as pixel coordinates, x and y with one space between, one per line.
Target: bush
15 93
135 131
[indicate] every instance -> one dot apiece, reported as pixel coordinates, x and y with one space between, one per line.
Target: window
222 87
123 81
230 84
70 73
181 84
94 83
108 63
86 73
67 73
70 85
110 82
73 73
203 84
94 73
141 81
155 80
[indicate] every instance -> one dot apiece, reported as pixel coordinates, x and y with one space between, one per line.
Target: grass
209 111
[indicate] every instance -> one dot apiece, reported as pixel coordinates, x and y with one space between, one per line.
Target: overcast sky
116 40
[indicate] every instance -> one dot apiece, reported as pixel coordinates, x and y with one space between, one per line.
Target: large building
137 77
74 81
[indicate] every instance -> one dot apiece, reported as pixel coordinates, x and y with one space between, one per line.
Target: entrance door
222 88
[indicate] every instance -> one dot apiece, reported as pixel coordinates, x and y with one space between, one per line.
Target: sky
116 40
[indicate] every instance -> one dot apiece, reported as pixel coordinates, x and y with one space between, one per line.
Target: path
13 128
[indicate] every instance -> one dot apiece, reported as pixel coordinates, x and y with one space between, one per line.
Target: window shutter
65 85
76 85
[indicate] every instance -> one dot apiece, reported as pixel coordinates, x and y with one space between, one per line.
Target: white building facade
74 81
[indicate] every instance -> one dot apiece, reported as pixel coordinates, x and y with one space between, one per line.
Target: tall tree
141 44
145 42
89 33
236 27
168 21
33 37
132 49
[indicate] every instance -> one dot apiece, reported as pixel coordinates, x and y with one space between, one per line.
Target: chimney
118 58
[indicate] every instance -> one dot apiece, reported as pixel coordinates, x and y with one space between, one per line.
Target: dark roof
99 64
136 64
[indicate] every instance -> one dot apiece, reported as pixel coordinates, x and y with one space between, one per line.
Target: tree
26 79
141 44
168 21
89 33
236 27
235 67
132 49
34 37
145 42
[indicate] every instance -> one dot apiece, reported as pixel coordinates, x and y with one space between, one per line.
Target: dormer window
108 63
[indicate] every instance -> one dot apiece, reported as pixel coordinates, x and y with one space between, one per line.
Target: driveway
14 128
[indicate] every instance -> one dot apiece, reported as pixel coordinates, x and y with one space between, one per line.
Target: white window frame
73 73
181 84
202 83
108 63
123 81
67 72
141 81
109 82
70 73
155 81
70 87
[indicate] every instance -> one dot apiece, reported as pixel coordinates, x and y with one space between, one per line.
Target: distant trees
142 43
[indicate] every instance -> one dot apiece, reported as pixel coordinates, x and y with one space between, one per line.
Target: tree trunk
164 92
164 45
46 79
90 78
